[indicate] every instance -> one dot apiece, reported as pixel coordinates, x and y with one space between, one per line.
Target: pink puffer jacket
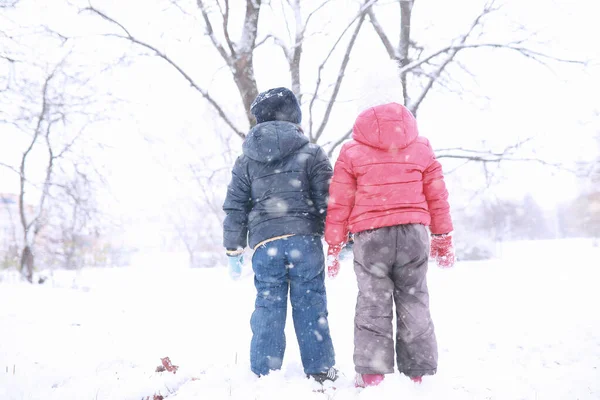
387 175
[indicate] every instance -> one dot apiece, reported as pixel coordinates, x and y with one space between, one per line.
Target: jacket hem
390 220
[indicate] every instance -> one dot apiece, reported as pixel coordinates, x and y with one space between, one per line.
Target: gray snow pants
391 267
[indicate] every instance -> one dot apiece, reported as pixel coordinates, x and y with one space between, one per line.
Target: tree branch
404 44
381 33
243 66
449 52
497 159
166 58
413 106
295 54
47 181
361 17
524 51
250 28
264 40
486 157
313 12
216 211
69 145
338 82
38 130
506 150
10 167
225 15
211 34
338 142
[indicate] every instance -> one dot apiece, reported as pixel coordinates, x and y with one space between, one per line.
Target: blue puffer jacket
279 186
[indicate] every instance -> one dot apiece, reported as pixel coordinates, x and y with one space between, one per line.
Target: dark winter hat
278 104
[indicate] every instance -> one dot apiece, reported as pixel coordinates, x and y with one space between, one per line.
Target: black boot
330 375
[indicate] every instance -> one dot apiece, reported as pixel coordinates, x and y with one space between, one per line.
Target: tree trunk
245 82
27 262
404 46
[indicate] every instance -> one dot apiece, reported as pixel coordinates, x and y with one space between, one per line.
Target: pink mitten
333 263
442 250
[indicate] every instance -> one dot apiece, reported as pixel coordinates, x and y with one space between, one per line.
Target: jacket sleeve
319 177
436 195
341 201
237 206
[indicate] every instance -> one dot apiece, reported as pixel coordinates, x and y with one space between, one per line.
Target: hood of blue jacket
273 140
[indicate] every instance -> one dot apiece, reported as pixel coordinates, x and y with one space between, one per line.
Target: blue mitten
235 266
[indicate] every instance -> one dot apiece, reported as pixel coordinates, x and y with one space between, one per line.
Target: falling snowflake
295 253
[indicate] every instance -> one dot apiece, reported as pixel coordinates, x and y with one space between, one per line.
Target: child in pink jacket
387 188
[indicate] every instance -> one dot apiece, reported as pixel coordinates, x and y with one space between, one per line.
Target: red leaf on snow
167 366
155 397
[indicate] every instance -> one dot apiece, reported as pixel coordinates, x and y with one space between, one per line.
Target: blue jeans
296 263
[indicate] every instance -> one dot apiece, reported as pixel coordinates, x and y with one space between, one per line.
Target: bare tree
421 68
293 49
48 103
32 224
49 120
77 214
198 219
238 55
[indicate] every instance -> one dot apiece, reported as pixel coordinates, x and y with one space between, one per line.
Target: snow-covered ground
526 326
